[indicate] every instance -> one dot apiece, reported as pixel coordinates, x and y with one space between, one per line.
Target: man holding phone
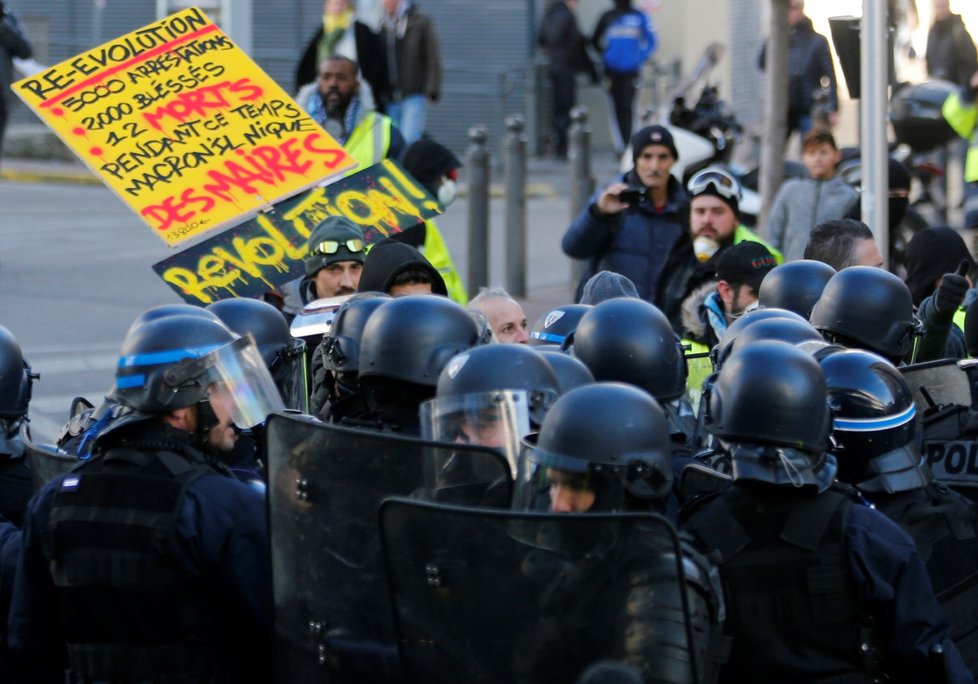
637 225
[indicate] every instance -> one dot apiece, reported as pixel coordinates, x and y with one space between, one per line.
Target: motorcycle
707 133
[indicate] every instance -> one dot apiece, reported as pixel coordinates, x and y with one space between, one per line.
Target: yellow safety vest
700 368
437 254
369 142
745 234
963 118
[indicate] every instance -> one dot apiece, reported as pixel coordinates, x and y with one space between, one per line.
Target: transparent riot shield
334 620
46 461
504 596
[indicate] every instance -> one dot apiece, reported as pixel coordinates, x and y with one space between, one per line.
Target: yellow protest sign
183 126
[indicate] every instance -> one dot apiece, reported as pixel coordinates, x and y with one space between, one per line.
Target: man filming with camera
636 225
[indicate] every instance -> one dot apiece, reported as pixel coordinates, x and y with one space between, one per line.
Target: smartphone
633 195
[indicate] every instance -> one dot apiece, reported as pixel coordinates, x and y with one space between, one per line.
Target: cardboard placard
267 251
183 126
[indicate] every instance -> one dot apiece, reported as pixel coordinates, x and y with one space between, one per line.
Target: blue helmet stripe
874 424
548 337
171 356
130 381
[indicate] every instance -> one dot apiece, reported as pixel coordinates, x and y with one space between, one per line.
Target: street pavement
75 268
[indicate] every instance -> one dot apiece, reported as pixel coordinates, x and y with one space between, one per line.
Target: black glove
950 294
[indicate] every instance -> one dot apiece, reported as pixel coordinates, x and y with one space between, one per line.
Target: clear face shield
498 420
240 380
547 483
291 375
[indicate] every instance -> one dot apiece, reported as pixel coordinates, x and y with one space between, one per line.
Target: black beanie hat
653 135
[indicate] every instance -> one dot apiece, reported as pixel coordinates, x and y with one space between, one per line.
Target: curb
47 176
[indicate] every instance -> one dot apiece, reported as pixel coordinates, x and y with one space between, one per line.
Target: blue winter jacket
636 243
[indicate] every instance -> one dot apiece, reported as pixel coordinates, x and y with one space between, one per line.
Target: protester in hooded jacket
399 269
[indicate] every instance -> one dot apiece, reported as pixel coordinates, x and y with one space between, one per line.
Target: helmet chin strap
206 419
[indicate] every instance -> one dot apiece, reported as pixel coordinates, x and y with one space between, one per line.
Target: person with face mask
436 168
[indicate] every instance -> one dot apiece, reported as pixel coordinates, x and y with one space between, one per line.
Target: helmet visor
241 381
546 482
291 375
498 420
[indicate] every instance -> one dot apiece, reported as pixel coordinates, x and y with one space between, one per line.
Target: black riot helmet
491 395
630 340
874 424
410 339
555 326
341 346
609 440
164 310
174 361
728 342
782 329
570 372
867 308
768 407
795 286
16 378
283 354
265 323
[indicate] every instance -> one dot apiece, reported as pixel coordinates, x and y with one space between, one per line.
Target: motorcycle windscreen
325 486
45 461
504 596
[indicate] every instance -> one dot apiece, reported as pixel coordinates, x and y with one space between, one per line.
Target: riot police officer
631 341
869 308
818 586
406 342
335 392
874 431
150 561
491 395
606 447
16 381
795 286
555 329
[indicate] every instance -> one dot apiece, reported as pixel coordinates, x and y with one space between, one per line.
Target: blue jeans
409 114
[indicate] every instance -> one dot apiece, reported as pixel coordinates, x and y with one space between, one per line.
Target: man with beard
334 262
333 101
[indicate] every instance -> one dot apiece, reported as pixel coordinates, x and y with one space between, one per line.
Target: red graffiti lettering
200 101
333 155
177 210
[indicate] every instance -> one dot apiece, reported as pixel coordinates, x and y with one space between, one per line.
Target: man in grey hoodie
801 204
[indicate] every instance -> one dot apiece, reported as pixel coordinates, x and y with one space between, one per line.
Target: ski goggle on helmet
723 184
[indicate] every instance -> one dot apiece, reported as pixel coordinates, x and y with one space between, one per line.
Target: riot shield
504 596
325 486
943 393
46 461
938 383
